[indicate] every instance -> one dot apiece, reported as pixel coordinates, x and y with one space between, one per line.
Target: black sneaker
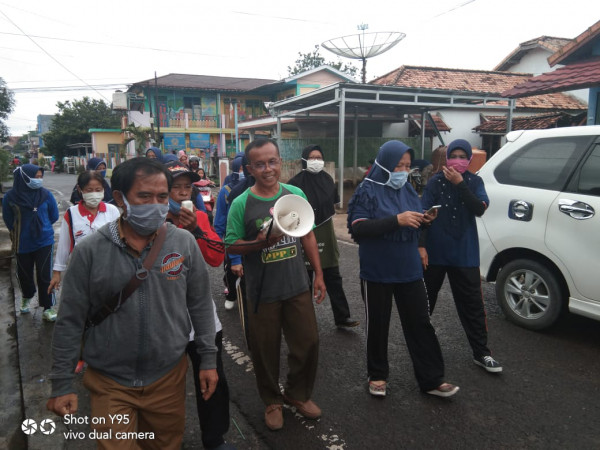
347 323
488 363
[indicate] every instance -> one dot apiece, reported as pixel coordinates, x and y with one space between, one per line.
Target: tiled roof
205 82
552 44
574 76
497 124
480 81
439 123
580 48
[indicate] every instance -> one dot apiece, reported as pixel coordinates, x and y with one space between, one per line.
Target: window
589 177
190 102
543 163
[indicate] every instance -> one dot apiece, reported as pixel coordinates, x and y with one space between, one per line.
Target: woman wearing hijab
98 165
384 217
194 164
452 246
323 196
154 153
183 158
29 211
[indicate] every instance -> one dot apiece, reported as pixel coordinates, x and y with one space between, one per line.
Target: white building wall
536 62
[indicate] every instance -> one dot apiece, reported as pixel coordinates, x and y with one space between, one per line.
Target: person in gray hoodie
136 356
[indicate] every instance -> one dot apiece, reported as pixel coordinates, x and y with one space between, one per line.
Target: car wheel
529 295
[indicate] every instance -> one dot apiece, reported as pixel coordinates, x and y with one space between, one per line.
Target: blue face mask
174 207
397 179
145 219
35 183
103 173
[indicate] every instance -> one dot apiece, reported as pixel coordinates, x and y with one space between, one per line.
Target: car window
544 163
589 177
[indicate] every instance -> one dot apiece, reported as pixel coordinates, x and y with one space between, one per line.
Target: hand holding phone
188 204
431 210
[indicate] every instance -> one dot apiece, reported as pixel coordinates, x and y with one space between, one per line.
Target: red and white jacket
78 223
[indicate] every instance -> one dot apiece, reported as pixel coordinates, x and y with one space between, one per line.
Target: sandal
377 388
444 390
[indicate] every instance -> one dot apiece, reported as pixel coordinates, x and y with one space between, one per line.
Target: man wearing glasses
277 288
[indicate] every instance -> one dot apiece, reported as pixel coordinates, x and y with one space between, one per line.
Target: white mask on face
315 165
93 199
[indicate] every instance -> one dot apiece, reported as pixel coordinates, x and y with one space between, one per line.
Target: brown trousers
296 318
158 408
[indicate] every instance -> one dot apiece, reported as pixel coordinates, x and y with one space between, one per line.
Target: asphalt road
547 396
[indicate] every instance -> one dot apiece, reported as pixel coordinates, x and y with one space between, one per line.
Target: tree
7 104
308 61
140 135
72 122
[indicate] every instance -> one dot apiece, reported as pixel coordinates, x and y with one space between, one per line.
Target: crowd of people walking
132 266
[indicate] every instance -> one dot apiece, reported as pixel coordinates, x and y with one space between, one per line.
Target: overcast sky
71 44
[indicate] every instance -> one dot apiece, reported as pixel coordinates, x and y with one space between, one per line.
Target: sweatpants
296 318
156 412
335 290
40 261
421 340
214 412
465 283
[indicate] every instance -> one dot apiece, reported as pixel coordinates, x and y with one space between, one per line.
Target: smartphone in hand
188 204
432 209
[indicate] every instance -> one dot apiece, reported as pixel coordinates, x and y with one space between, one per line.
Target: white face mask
315 165
93 199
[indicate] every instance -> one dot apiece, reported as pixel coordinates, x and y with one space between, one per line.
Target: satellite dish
364 45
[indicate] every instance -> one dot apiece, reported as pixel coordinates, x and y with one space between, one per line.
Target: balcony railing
185 120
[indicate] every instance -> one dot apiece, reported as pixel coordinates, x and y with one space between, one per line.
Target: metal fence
291 149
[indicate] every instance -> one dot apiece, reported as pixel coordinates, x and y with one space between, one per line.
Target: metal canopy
350 101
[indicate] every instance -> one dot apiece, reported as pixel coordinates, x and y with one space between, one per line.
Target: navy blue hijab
157 152
234 177
25 197
379 200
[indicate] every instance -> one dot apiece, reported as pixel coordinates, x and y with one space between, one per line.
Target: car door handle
575 209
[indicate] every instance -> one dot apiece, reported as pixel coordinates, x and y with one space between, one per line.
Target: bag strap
116 301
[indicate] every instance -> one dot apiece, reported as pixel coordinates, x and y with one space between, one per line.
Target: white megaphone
292 215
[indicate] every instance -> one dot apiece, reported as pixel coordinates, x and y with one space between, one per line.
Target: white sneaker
25 305
229 305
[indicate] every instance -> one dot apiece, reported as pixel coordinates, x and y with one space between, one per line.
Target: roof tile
481 81
574 76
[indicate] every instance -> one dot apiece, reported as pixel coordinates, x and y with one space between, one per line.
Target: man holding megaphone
268 233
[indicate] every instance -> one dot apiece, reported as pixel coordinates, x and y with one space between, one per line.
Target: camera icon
47 426
29 426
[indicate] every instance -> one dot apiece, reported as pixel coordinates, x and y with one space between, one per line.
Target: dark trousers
41 260
335 290
230 278
465 283
296 318
421 340
214 412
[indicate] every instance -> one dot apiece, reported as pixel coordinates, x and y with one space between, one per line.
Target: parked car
540 238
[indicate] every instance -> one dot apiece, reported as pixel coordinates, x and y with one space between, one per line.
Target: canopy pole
342 119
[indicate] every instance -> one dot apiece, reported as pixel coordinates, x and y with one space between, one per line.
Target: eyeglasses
260 166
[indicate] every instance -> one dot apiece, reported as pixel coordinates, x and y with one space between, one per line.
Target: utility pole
158 141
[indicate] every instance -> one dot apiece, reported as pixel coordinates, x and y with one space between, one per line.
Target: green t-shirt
281 267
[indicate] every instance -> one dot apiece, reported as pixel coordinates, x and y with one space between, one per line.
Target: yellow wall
100 141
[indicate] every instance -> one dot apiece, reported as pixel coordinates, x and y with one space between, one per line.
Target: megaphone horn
293 216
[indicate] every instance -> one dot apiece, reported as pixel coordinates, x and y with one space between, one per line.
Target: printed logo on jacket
172 265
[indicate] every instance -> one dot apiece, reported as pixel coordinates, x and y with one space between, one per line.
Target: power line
137 47
50 56
104 87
